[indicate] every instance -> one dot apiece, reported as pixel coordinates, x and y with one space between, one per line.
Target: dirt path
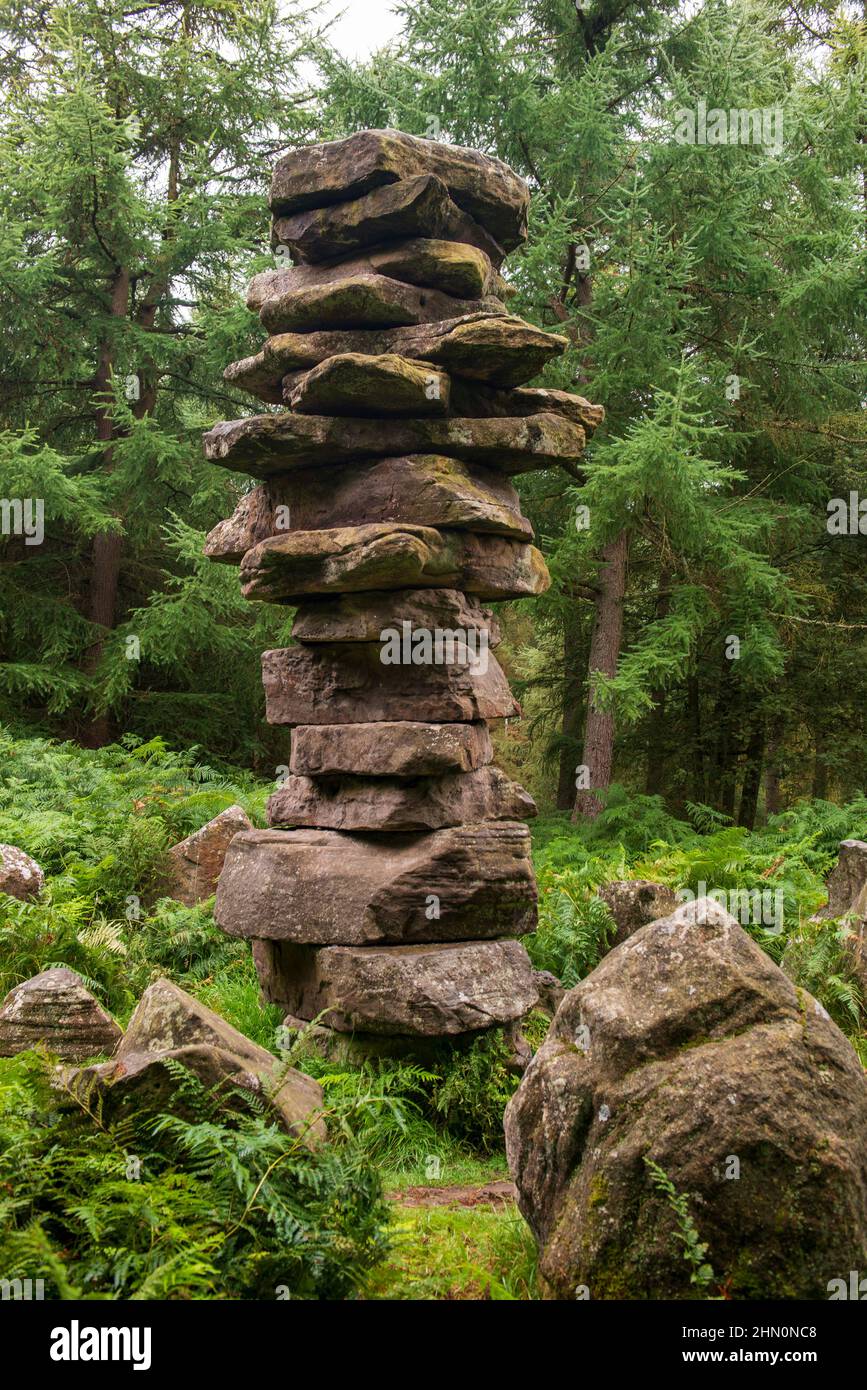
492 1194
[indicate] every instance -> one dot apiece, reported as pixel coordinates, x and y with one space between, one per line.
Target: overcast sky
364 25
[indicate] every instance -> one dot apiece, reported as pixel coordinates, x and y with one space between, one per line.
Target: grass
464 1253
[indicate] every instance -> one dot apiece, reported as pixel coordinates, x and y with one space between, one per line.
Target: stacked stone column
389 896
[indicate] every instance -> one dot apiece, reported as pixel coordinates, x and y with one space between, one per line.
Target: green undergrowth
100 824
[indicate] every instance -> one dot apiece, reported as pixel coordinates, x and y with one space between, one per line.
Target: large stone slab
499 349
353 559
348 684
55 1009
417 207
394 748
366 804
262 445
483 186
351 384
450 266
363 617
422 489
430 990
169 1025
366 301
688 1046
322 886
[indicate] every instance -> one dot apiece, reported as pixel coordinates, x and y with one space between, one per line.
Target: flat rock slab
366 301
450 266
430 991
363 617
394 748
353 559
349 684
195 863
20 876
501 350
324 886
687 1045
170 1025
422 490
262 445
351 384
417 207
473 398
483 186
56 1010
365 804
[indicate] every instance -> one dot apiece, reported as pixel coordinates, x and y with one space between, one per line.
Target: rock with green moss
483 186
366 301
351 383
385 555
689 1047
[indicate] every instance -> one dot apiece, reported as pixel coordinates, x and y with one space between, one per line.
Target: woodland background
136 143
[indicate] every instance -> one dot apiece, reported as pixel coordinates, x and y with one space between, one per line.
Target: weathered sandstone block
323 886
354 559
348 684
351 384
363 617
366 804
483 186
501 350
395 748
56 1010
265 444
430 990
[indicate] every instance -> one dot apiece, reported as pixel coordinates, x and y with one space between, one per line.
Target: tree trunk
820 770
773 797
570 726
598 754
752 776
107 545
693 702
656 724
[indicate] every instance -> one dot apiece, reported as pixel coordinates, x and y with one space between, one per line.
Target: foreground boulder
196 863
20 876
56 1010
689 1047
169 1025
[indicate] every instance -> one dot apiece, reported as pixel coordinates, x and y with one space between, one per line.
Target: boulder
499 349
20 876
195 863
262 445
395 748
484 187
417 207
388 804
421 490
451 266
689 1047
363 617
366 301
385 555
352 384
348 684
323 886
54 1009
430 990
847 883
170 1025
550 990
635 902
